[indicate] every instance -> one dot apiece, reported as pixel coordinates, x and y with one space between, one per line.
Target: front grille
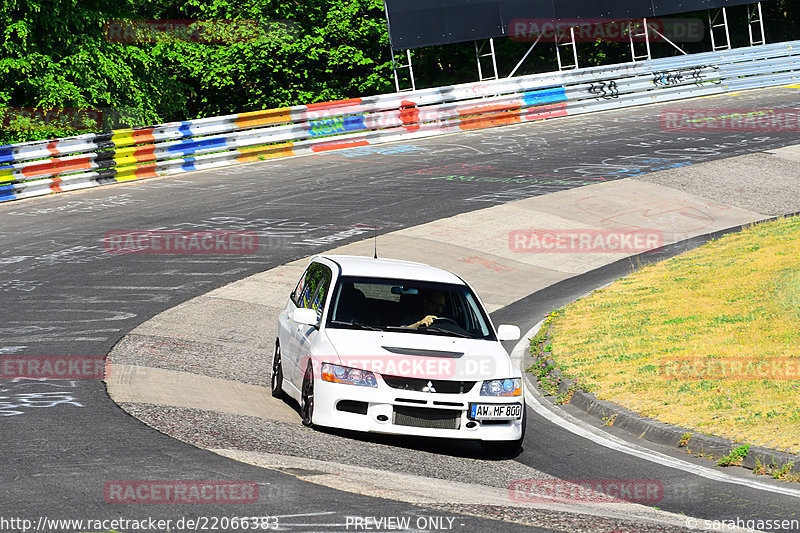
439 385
420 417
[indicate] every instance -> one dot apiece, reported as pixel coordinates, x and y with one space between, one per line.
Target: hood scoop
423 353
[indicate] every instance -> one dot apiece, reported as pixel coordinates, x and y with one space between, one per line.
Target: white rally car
397 347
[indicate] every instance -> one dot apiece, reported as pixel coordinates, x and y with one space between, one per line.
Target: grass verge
708 340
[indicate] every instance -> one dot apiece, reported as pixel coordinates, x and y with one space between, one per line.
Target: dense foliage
60 54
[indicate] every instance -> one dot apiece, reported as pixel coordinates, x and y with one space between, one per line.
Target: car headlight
502 387
351 376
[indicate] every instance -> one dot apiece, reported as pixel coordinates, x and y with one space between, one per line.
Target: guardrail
43 167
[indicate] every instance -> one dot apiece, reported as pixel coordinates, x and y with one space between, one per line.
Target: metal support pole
561 65
630 36
491 54
525 56
411 71
394 71
478 59
644 33
494 58
675 46
727 33
574 46
409 66
712 23
754 16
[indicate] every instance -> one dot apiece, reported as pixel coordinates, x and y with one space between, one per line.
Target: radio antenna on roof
375 228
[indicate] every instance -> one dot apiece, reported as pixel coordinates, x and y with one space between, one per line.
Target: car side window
313 287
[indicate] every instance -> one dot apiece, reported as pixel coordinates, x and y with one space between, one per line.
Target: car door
287 333
310 293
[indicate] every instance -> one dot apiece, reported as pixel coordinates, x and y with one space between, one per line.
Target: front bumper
405 412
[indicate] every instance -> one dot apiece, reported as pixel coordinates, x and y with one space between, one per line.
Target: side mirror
507 332
304 315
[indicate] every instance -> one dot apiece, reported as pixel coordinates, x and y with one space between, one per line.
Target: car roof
362 266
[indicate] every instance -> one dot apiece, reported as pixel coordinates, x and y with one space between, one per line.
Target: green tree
58 54
53 56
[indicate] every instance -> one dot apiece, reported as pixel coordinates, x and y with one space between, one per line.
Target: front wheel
276 383
506 448
307 404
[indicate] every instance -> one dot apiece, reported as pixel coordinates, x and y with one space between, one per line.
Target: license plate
493 411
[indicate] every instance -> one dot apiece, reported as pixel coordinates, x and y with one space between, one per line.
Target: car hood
421 355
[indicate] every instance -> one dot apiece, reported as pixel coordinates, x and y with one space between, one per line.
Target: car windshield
400 305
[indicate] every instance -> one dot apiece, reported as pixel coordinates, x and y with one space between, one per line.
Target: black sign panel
418 23
671 7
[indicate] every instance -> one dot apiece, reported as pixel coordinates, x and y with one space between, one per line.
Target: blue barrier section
188 165
550 95
186 129
7 193
6 154
190 147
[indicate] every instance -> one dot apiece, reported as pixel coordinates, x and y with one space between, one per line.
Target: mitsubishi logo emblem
428 388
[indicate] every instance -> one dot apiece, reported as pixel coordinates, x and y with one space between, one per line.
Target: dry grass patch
735 301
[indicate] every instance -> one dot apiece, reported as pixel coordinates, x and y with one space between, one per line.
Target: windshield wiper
432 329
449 332
355 324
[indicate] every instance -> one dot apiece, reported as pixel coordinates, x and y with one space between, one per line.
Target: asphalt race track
63 294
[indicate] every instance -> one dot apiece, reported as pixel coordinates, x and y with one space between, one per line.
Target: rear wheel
505 447
276 383
307 405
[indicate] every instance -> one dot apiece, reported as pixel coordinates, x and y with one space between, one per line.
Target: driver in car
432 306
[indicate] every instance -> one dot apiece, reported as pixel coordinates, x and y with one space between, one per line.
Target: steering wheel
446 319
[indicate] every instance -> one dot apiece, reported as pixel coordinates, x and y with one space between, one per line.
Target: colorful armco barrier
43 167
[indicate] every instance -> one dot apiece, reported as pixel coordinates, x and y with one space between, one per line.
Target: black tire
506 448
276 382
307 404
